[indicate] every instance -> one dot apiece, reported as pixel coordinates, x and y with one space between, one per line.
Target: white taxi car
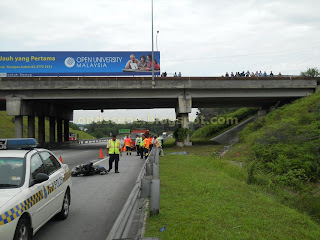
34 187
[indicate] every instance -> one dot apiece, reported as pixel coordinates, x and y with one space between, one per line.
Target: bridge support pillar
59 130
14 108
41 130
18 127
31 127
183 109
52 129
66 130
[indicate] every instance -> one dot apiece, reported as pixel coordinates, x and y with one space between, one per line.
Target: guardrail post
155 185
145 187
157 155
155 197
152 153
155 171
148 169
151 158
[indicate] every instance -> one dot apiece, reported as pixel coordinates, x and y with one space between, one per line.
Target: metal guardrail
83 141
122 225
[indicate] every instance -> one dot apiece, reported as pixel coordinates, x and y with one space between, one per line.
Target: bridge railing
111 78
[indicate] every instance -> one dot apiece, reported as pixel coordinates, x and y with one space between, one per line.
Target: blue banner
28 64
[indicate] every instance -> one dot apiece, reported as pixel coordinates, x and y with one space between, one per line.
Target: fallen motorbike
88 170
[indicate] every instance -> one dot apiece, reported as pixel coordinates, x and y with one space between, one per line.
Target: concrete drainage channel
130 223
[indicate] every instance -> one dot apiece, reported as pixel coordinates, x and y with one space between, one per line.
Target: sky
196 37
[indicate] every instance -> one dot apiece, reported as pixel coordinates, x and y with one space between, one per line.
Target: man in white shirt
132 63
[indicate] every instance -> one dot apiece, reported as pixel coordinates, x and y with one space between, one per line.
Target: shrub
181 134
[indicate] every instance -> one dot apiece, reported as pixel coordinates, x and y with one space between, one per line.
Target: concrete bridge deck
57 97
138 92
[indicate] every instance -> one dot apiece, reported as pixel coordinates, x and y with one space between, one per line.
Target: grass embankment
205 197
273 194
281 153
7 128
169 142
221 124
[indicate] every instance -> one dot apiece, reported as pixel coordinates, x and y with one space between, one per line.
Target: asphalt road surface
96 201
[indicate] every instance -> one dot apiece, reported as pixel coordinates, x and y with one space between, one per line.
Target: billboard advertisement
29 64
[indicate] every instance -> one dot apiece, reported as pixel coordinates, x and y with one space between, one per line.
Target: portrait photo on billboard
142 62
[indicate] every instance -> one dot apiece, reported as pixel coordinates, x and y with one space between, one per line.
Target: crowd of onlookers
164 74
237 74
252 74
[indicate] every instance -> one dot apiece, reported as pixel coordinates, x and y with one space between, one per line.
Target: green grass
7 128
205 197
281 153
212 129
274 195
169 142
199 150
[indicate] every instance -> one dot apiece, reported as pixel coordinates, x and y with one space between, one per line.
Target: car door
37 196
54 188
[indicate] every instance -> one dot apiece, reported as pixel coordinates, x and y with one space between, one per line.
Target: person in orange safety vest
127 143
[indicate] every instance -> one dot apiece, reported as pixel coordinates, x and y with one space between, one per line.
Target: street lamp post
157 40
153 83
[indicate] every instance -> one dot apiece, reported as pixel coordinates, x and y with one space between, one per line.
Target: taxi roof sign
17 143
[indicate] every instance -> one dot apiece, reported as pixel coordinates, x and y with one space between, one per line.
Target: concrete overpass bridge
57 97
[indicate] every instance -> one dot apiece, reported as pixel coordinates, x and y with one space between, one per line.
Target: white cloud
207 31
188 29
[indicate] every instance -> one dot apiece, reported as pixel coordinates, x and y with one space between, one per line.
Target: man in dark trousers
113 152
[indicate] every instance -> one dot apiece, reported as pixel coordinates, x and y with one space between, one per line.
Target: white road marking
101 161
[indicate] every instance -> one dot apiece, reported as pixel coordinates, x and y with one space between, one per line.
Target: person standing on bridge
113 152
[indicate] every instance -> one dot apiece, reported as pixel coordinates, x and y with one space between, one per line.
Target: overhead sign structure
124 131
29 64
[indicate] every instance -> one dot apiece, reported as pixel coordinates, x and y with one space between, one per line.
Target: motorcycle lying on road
88 170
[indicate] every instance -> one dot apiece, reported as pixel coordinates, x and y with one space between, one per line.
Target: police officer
142 146
113 152
138 140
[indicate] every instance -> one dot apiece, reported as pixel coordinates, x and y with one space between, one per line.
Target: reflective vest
146 143
114 146
159 141
142 142
127 142
138 140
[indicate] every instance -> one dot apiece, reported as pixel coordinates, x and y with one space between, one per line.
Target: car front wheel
65 206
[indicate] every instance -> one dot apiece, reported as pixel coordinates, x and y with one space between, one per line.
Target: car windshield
12 171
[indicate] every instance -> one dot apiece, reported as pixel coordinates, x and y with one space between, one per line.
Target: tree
74 126
208 113
311 72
